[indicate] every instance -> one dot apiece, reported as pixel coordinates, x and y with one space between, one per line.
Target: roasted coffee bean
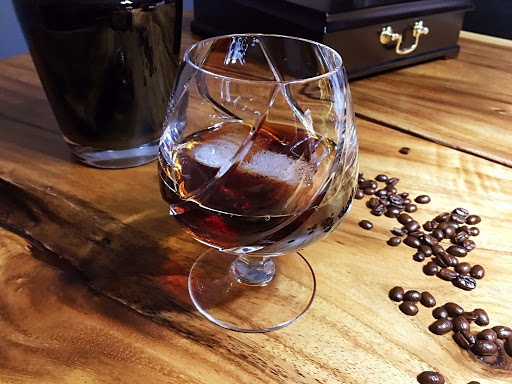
404 194
360 180
447 274
369 191
461 211
392 211
451 260
404 150
463 268
422 199
379 210
461 341
429 240
381 177
470 337
463 228
460 323
360 173
404 218
416 234
430 377
440 313
473 219
407 201
430 268
410 208
484 348
428 226
396 199
382 193
394 241
365 224
392 181
390 188
426 250
398 231
427 300
454 309
442 225
469 245
441 326
457 218
457 250
396 293
481 317
419 257
359 194
474 231
474 382
412 295
442 260
437 249
477 272
412 242
470 316
409 308
442 217
502 332
449 232
487 334
438 234
460 237
368 184
412 226
464 282
384 202
508 346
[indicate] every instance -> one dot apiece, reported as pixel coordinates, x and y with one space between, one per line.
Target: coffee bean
474 382
457 218
379 210
442 260
457 250
487 334
481 317
502 332
381 177
426 250
449 232
409 308
430 268
463 228
473 219
360 174
396 199
429 225
484 348
418 256
411 208
416 234
368 184
422 199
463 268
438 234
373 202
447 274
508 346
470 337
407 201
365 224
361 180
442 217
412 295
394 241
454 309
429 240
404 194
442 225
451 260
430 377
477 272
359 194
469 245
461 211
382 193
461 341
440 313
441 326
464 282
392 181
460 237
412 242
470 316
404 218
404 150
369 191
474 231
427 300
396 294
398 231
412 226
390 188
460 323
392 211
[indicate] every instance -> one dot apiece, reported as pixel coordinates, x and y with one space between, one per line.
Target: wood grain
465 103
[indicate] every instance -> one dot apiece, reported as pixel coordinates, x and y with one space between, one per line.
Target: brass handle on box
388 35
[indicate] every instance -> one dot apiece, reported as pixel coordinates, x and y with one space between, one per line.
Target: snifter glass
259 159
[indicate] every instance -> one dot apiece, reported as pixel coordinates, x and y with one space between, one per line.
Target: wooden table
89 258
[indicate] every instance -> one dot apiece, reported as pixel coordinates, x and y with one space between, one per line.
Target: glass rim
337 68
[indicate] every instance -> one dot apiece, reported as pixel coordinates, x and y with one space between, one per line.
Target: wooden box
371 35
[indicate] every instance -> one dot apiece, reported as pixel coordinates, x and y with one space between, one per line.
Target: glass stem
256 271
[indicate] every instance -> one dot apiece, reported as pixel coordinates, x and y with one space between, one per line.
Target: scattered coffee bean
394 241
463 228
360 179
407 201
487 334
502 332
430 377
474 231
418 256
379 210
438 234
469 245
442 260
392 181
430 268
412 295
437 249
454 309
449 232
447 274
470 337
373 202
464 282
461 341
422 199
404 150
470 316
442 217
460 323
440 313
508 346
452 260
359 194
412 242
426 250
477 272
365 224
427 300
369 191
412 226
396 293
441 326
457 218
409 308
391 188
442 225
398 231
392 211
429 240
481 317
460 238
461 211
404 218
473 219
411 208
368 184
404 194
463 268
381 177
485 348
428 225
417 234
457 250
474 382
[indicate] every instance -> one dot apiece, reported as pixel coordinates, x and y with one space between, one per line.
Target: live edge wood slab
93 271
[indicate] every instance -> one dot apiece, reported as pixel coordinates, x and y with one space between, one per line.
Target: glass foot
251 294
